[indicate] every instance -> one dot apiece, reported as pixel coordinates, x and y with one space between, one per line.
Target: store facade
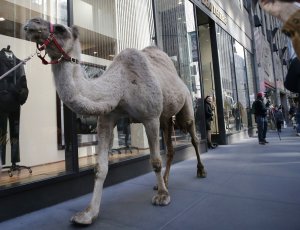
209 43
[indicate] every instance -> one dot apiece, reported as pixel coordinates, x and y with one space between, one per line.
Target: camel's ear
75 32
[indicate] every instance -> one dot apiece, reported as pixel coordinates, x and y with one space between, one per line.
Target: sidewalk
249 186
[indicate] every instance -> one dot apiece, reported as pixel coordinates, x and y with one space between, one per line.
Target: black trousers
279 125
14 129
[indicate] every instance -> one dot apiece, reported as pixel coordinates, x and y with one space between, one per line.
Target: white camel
143 85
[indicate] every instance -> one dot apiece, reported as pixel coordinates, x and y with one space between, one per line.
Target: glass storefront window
177 36
241 107
226 63
107 27
28 135
237 79
251 85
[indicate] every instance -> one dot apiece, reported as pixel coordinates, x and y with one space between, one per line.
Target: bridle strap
51 28
51 38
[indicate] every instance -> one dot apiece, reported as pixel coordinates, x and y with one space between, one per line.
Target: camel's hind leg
152 130
186 121
167 134
105 130
195 141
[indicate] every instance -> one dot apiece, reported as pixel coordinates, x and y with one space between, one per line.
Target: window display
105 29
240 110
13 94
237 76
29 133
227 72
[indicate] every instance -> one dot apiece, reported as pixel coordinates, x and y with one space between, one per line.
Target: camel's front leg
152 129
87 216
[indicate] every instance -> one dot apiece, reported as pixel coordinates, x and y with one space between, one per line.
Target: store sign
215 10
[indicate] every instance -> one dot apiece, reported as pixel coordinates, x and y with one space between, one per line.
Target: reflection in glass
226 63
236 71
242 106
107 27
177 36
251 85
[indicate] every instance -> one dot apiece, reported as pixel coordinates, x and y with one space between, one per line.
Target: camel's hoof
82 218
201 173
161 199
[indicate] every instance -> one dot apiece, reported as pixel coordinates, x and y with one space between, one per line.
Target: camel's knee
170 155
189 123
196 140
156 164
100 172
185 125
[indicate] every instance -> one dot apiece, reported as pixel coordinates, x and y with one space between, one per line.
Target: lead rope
15 67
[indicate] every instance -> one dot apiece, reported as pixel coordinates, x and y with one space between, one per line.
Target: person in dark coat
279 118
13 94
209 113
260 112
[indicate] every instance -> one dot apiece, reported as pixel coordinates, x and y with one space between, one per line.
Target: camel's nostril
25 28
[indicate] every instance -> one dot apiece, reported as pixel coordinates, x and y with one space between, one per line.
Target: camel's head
38 30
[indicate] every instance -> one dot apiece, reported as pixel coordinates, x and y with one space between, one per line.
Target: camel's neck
64 80
82 95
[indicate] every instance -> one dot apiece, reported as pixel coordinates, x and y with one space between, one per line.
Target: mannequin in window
13 94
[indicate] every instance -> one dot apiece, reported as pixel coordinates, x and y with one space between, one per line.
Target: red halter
64 55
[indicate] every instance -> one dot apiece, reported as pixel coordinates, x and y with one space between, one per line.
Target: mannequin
13 94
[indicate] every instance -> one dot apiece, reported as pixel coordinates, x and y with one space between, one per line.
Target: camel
142 85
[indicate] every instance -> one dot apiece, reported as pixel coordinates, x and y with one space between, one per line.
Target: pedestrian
278 115
209 113
283 110
260 111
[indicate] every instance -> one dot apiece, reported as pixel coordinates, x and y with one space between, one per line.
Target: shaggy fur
143 85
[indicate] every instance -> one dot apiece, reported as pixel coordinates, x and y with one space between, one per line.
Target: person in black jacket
260 112
13 94
209 113
279 118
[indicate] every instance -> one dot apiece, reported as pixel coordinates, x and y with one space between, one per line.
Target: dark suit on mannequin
13 93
